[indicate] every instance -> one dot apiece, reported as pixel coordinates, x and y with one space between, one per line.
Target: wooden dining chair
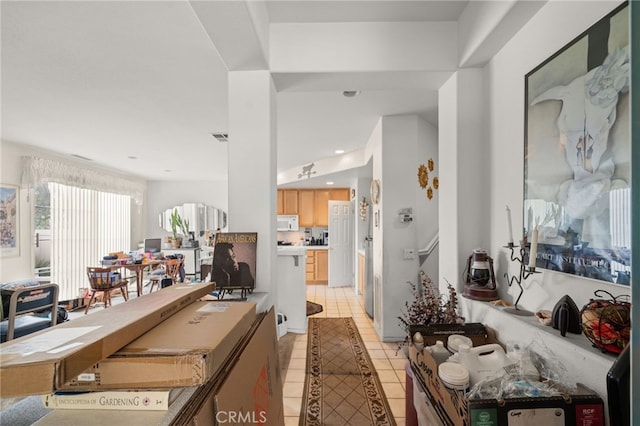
171 270
104 280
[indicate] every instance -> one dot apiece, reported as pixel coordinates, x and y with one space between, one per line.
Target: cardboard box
250 390
185 350
584 407
44 361
247 389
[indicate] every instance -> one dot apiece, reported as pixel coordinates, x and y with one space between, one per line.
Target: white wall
464 175
252 169
425 212
373 46
546 32
402 151
17 267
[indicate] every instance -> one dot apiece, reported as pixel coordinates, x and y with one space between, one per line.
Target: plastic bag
535 372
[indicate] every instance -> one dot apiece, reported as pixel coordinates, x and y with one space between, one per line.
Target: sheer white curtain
85 226
90 215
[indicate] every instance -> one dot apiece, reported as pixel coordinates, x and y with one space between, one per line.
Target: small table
138 269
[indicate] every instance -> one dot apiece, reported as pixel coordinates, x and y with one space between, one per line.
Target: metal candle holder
525 272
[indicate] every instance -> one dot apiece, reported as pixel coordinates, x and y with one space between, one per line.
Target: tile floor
342 302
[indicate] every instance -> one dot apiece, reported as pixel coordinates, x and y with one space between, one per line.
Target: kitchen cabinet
322 198
322 266
321 208
306 207
311 267
287 201
340 194
317 266
361 273
311 205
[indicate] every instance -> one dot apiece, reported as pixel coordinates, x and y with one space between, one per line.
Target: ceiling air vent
221 137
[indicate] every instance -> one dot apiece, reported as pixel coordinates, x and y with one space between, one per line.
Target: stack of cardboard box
221 353
584 407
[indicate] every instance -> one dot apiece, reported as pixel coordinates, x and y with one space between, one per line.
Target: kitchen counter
292 290
290 249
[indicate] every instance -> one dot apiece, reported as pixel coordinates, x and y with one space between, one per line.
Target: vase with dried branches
427 307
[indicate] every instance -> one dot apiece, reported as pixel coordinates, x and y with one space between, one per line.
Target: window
84 226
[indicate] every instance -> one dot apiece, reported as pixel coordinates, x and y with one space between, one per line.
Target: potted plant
176 223
184 227
427 307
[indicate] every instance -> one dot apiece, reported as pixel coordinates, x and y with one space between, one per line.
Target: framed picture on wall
577 154
9 216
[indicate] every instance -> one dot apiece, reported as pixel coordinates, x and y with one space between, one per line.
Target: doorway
341 244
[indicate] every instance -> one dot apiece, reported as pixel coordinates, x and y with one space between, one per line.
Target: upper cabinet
311 205
289 201
306 207
322 207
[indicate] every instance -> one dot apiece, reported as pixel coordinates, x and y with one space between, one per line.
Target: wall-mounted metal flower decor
423 178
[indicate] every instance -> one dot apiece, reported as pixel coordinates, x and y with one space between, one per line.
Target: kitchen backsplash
299 237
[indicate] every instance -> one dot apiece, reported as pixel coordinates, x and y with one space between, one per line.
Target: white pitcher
483 361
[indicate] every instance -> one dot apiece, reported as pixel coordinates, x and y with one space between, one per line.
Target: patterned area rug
341 385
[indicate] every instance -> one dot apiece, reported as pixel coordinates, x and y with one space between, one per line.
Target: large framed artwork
9 204
577 165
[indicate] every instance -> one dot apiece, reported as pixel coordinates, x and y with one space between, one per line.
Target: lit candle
534 248
510 241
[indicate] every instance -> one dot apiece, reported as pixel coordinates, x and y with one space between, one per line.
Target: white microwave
288 222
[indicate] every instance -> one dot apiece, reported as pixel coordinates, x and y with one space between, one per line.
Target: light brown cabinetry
287 201
340 194
311 266
322 207
361 273
317 267
306 207
311 205
322 266
323 196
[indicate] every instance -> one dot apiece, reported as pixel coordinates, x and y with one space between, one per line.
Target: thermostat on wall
406 215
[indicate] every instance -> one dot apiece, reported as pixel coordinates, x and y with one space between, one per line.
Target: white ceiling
140 86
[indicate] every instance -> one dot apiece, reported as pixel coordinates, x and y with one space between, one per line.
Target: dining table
138 269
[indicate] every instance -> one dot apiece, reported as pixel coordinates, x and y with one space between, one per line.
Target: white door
340 244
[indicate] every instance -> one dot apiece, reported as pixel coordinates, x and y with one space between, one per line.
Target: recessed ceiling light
330 183
167 170
339 151
350 93
132 157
